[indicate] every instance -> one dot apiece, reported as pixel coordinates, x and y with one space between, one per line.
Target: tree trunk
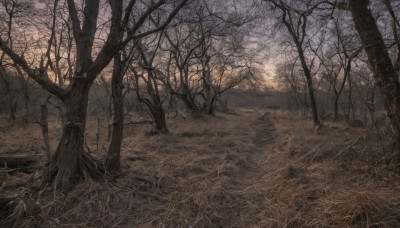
338 93
13 108
378 58
157 114
189 102
310 87
70 161
159 119
211 104
45 129
298 38
113 163
154 104
336 109
335 103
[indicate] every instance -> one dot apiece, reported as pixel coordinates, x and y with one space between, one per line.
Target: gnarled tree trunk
70 161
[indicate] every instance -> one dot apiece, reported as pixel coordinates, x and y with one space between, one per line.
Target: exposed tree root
88 168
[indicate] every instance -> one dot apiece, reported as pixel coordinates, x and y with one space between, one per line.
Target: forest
199 113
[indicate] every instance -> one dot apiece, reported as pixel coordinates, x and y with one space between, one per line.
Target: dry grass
248 169
365 208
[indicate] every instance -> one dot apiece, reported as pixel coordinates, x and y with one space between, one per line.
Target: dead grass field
245 168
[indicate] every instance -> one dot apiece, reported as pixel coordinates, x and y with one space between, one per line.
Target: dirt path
262 162
272 181
223 185
265 130
263 137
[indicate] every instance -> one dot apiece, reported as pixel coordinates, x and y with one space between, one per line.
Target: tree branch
39 75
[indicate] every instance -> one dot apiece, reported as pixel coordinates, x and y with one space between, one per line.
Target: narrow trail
264 137
272 143
265 131
262 161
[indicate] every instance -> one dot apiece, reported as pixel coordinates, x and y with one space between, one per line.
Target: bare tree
337 62
13 15
378 57
288 73
153 101
70 161
295 17
206 56
114 150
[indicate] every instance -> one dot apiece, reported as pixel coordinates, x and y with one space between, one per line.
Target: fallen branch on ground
139 122
20 160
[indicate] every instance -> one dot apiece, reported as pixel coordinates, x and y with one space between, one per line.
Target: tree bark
157 114
159 119
310 86
45 129
211 104
380 63
113 163
70 161
335 106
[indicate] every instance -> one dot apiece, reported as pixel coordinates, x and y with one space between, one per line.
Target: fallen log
19 160
139 122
